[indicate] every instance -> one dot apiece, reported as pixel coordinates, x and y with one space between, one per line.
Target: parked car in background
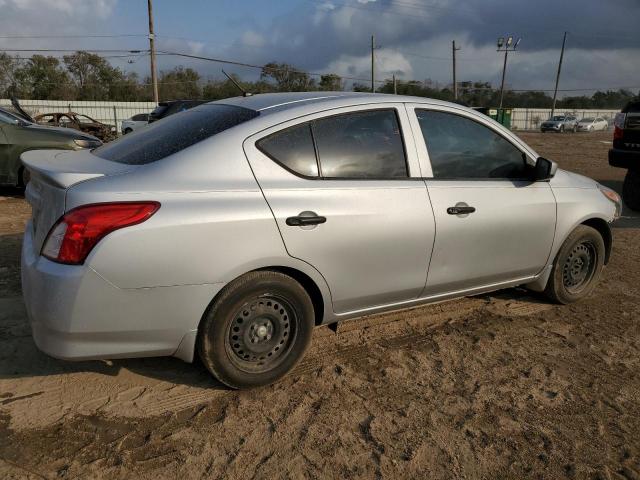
230 230
84 123
626 152
137 121
592 124
560 124
18 135
164 109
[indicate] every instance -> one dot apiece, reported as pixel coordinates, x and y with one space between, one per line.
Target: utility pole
555 92
504 72
395 85
154 77
455 82
373 64
506 45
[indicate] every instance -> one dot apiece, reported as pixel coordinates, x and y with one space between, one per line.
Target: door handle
461 210
303 220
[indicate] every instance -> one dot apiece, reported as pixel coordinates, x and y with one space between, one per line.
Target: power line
262 67
123 35
54 50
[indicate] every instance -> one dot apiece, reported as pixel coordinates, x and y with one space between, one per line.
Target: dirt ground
497 386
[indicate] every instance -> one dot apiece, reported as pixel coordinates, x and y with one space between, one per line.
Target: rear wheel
127 130
561 128
631 189
257 329
577 267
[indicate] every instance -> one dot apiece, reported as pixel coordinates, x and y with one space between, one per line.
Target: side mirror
543 170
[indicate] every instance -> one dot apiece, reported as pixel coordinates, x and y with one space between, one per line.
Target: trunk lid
53 172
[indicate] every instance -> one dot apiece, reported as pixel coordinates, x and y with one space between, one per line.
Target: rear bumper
624 158
75 314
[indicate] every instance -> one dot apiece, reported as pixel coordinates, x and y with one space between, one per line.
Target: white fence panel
531 118
112 113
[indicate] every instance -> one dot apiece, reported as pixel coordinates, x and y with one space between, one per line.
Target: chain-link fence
111 113
531 118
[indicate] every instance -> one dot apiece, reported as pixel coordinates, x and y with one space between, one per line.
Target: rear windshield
174 133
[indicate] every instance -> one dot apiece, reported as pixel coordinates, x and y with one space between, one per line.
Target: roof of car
274 102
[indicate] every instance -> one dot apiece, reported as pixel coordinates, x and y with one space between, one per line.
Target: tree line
88 76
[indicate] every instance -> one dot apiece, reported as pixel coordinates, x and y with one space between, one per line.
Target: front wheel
577 267
257 330
631 189
561 128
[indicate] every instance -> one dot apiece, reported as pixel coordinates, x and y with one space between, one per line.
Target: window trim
393 109
525 155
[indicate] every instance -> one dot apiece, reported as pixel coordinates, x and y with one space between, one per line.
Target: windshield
587 120
558 118
7 117
85 119
174 133
159 110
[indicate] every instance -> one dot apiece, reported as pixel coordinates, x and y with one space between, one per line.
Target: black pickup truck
626 152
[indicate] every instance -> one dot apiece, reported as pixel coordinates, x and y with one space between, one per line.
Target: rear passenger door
494 225
348 198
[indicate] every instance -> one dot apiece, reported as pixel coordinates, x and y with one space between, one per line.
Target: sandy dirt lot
505 385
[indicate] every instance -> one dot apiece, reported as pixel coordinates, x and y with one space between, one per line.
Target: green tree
179 83
287 78
331 82
96 79
43 78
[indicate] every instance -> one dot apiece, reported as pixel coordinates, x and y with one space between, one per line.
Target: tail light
618 124
73 237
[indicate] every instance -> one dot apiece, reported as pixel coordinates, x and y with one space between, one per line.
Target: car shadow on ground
629 219
12 192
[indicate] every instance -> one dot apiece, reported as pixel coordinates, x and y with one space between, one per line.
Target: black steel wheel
577 266
261 333
256 330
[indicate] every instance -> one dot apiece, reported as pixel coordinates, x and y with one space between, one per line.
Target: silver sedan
230 230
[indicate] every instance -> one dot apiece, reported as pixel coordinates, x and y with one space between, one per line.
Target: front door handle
305 220
461 210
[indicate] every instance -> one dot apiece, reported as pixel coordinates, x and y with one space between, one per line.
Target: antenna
238 86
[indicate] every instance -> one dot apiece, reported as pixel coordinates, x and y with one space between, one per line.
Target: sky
334 36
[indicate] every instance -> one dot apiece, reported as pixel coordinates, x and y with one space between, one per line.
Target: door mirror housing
543 170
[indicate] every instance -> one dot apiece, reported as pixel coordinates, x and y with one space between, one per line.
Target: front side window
365 144
293 149
461 148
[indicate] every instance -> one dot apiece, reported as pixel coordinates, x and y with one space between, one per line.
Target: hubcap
261 333
579 267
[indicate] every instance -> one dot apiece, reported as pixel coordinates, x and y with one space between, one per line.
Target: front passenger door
493 225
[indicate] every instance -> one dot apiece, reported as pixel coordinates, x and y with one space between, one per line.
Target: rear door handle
303 220
462 210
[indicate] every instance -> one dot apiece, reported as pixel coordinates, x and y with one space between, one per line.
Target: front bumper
624 158
75 314
550 128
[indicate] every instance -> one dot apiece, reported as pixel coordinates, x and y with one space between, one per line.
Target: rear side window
173 134
364 144
140 117
293 149
461 148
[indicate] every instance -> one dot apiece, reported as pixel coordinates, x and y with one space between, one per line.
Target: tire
577 267
257 329
561 128
574 129
631 189
127 130
23 178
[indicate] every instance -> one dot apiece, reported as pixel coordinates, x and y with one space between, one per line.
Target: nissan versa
230 230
